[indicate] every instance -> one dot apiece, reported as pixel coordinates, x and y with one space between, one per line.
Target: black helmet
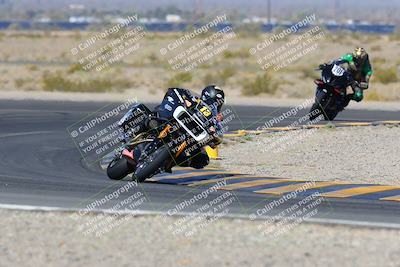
212 95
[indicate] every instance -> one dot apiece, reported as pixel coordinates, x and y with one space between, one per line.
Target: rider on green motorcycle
360 68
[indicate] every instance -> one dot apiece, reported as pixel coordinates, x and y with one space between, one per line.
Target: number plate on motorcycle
337 70
190 124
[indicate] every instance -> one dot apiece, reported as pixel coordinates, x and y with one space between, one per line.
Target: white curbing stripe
229 216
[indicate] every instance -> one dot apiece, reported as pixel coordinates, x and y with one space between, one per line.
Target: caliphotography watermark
290 113
110 46
300 128
200 46
270 53
200 211
103 214
281 215
99 133
203 125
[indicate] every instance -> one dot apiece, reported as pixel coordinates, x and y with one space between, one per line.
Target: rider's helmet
359 56
212 95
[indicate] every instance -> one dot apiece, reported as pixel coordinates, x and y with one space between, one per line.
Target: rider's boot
200 160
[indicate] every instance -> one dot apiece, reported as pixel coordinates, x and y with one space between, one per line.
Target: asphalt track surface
40 166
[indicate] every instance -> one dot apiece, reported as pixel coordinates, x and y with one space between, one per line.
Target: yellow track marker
389 122
392 198
281 129
254 132
354 124
237 134
349 192
312 126
255 183
212 152
194 174
293 187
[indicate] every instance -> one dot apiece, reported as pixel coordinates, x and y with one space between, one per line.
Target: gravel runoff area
54 239
369 154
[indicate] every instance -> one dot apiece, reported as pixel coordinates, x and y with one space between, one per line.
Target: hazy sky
356 9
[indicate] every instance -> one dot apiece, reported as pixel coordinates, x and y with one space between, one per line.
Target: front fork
321 95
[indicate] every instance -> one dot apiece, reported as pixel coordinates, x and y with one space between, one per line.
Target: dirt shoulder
356 154
54 239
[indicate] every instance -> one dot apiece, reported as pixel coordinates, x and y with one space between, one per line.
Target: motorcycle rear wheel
119 168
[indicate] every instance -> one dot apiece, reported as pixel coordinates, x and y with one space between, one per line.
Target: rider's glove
355 84
219 117
364 85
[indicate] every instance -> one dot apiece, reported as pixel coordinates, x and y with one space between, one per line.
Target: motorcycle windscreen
190 124
336 77
134 119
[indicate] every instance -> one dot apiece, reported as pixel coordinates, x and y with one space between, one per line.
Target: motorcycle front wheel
328 110
330 115
315 111
151 165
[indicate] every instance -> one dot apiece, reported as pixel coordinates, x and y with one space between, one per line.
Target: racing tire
315 111
119 168
329 110
149 168
330 115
